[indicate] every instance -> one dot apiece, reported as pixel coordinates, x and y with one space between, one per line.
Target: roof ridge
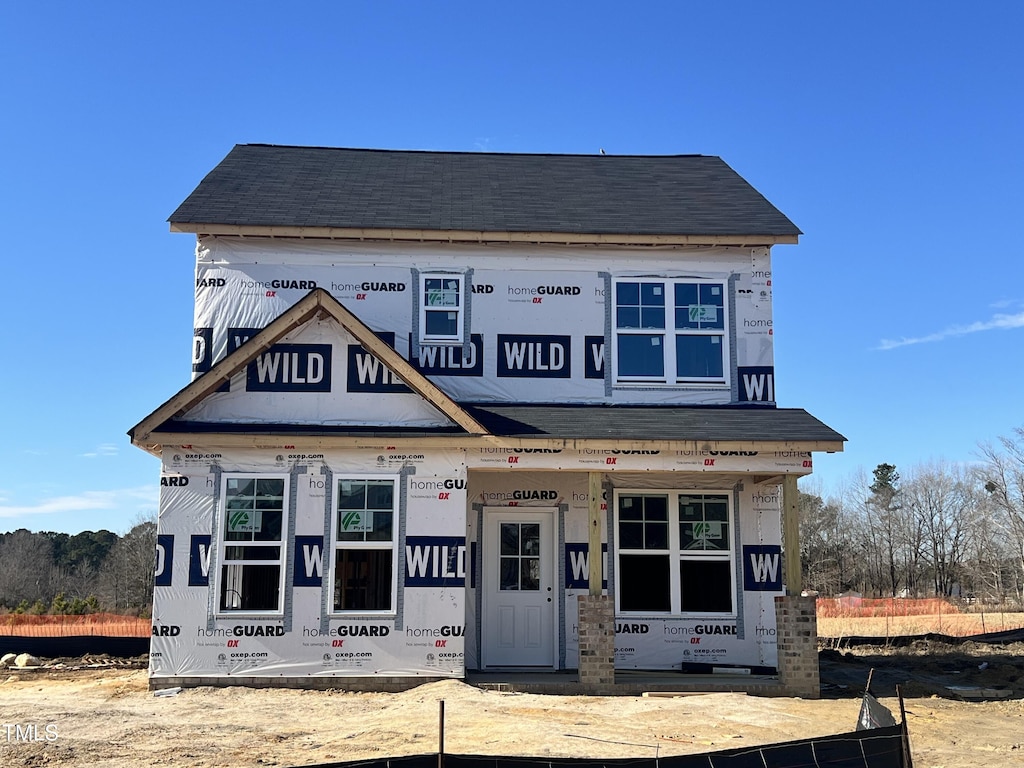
383 150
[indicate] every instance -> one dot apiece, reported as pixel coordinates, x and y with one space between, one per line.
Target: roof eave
473 236
155 441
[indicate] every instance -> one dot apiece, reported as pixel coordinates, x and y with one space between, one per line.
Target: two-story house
457 412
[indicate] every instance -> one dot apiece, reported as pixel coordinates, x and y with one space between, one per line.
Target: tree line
936 530
49 572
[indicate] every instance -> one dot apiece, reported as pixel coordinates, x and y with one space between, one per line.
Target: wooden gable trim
316 302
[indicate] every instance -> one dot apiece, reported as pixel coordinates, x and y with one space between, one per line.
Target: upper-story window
670 331
442 308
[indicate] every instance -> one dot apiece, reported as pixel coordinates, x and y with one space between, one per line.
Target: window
670 331
365 546
252 547
675 552
519 561
442 304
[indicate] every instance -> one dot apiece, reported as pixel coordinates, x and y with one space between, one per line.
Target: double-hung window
675 552
252 544
670 331
365 545
442 308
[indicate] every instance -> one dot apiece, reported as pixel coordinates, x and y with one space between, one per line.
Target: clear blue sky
891 133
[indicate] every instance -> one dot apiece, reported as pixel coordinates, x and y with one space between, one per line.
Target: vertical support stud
594 557
791 534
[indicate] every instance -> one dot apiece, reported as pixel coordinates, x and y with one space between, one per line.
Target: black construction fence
874 748
73 646
878 742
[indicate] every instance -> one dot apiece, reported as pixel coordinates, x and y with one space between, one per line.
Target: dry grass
955 625
861 617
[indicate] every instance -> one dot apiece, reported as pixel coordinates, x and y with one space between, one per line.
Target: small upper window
442 308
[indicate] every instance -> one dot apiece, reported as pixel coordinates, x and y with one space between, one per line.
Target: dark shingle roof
260 185
586 422
626 422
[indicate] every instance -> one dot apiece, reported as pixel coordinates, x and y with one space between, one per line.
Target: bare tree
864 543
943 506
26 566
77 561
1003 473
127 573
990 574
825 543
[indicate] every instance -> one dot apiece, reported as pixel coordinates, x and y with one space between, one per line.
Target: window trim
461 310
669 334
223 544
676 554
337 545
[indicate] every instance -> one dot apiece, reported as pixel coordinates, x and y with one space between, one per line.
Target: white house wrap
382 467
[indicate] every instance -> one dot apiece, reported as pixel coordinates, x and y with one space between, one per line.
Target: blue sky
890 133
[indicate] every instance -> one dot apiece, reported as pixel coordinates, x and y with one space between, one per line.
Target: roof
654 422
322 188
600 423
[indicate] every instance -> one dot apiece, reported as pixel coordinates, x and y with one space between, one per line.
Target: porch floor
627 683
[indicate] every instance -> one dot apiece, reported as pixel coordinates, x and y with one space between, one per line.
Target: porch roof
657 423
524 425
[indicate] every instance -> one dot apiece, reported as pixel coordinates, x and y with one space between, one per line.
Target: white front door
519 588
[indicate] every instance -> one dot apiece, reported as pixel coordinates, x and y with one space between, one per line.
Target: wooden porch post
596 625
791 534
595 559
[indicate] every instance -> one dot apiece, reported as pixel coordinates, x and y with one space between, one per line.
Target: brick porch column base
796 624
596 630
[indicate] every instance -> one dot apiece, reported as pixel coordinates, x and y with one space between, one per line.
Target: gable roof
317 302
322 191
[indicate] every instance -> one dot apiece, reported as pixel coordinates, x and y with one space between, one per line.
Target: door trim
551 516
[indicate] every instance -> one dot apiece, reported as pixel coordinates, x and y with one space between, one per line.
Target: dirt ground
108 717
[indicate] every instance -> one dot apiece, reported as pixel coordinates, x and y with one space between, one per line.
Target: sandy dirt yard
108 717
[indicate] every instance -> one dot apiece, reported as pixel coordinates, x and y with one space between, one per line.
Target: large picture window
365 545
442 308
251 544
670 331
675 552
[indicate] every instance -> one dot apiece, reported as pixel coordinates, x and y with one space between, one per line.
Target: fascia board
473 236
